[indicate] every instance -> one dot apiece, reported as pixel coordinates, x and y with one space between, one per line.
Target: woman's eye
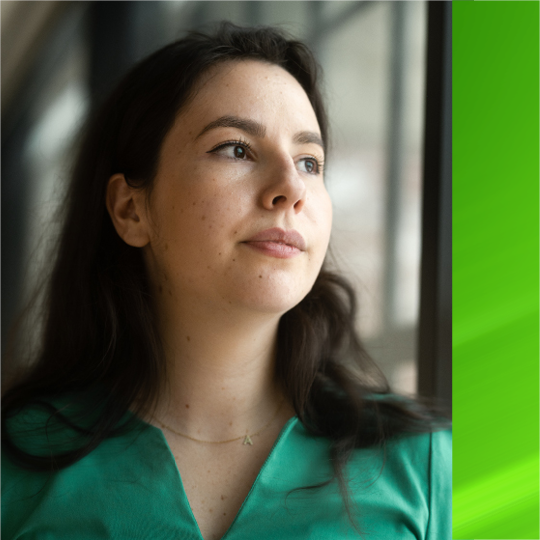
232 150
309 165
238 152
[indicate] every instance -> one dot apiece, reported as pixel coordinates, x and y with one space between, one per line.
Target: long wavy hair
99 328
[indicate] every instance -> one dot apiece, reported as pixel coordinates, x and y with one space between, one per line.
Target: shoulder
25 432
407 483
32 499
49 426
53 427
425 461
412 457
435 447
419 432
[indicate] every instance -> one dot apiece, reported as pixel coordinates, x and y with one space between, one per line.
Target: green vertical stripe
495 270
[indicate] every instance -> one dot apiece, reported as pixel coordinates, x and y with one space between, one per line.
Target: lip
278 243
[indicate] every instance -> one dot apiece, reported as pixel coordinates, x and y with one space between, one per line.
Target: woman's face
243 157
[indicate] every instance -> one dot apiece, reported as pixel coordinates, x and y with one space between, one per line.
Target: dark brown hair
99 328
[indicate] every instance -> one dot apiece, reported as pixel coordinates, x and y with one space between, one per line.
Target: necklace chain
247 438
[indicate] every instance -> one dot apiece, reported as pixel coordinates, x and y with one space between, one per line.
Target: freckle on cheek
203 218
260 276
166 247
188 338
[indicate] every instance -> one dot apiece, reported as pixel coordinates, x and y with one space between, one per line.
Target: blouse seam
430 475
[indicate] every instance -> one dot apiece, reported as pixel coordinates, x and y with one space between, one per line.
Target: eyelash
319 165
238 142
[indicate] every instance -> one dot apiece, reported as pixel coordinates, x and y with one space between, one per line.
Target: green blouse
130 488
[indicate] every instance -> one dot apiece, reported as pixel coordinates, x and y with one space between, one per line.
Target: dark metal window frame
435 322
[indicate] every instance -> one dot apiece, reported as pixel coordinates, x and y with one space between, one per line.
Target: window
373 59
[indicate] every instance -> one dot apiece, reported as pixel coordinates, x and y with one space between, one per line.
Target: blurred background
387 82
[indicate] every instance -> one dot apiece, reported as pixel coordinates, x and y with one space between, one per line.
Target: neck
220 378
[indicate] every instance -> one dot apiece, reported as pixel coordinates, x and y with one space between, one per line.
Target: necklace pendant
248 440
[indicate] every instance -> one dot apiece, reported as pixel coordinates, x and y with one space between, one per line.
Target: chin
273 298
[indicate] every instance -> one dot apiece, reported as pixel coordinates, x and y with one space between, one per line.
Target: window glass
58 113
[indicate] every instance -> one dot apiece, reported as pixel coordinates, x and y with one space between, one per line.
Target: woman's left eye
232 149
309 165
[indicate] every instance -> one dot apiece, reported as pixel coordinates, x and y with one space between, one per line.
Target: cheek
199 223
321 215
326 214
187 212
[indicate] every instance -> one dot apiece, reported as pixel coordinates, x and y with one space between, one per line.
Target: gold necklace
247 438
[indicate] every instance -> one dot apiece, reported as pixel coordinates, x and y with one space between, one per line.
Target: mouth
277 243
275 249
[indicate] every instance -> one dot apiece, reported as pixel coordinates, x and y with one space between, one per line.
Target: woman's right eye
238 152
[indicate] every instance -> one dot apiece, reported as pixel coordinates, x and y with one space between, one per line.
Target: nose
285 189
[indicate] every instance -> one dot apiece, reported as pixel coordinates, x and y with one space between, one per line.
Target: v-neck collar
171 462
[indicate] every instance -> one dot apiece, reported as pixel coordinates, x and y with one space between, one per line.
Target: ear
126 206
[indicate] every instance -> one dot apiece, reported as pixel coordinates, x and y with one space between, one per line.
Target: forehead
250 88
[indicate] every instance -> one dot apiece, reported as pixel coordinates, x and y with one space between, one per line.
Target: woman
198 366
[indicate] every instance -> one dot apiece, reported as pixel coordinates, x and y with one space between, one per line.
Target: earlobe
126 208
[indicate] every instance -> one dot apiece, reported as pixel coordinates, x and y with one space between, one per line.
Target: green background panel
495 270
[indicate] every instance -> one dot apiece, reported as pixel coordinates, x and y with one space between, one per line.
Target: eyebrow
256 129
251 127
306 137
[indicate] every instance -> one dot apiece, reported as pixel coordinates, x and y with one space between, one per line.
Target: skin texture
205 204
218 300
